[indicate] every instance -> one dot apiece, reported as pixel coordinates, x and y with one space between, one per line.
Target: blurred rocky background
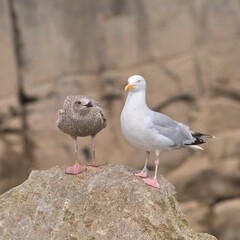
187 50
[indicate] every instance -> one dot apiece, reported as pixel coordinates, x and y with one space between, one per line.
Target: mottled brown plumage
81 116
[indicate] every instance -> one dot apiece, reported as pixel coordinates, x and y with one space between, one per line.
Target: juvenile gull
152 131
81 116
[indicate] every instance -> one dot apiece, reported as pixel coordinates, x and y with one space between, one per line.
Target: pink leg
93 163
153 181
76 168
143 173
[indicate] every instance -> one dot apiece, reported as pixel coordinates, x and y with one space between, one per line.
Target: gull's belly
142 137
137 137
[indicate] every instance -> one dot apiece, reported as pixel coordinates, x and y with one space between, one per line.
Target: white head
136 83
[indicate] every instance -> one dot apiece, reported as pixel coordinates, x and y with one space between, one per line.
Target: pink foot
93 164
152 182
141 174
75 169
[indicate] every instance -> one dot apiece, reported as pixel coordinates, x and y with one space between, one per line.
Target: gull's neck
136 101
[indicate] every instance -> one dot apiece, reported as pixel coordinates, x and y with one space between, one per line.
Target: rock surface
101 203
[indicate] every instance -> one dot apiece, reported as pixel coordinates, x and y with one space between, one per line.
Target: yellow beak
128 87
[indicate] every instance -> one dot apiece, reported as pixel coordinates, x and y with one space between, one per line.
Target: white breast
133 128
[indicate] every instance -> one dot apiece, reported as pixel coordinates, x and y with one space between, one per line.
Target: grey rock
101 203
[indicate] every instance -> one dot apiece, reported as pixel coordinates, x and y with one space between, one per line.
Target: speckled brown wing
104 118
68 101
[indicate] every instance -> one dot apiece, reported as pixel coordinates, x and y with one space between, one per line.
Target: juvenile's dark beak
89 104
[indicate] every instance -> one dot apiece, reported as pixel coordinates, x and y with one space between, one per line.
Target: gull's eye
78 102
139 81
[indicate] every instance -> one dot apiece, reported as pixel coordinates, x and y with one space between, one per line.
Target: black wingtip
197 142
203 135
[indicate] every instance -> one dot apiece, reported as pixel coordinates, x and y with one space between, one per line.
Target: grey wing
177 132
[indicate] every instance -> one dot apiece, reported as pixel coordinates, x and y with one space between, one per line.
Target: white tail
193 147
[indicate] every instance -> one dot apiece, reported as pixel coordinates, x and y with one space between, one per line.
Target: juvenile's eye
78 102
139 81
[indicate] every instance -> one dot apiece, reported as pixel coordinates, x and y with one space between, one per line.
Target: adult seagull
153 131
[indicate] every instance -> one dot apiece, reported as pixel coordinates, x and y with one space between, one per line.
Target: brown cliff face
103 203
189 54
